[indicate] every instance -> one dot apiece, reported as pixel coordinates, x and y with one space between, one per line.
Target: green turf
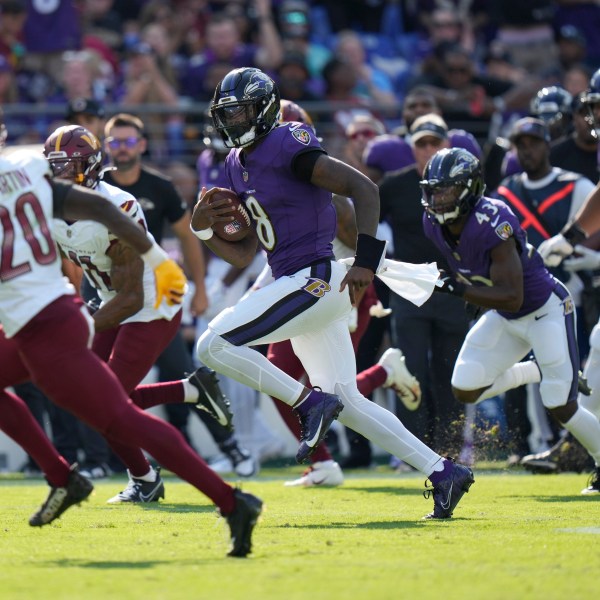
513 536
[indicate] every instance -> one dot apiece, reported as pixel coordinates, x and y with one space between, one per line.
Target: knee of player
556 393
207 347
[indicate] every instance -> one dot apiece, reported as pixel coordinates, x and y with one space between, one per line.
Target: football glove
171 283
582 259
554 250
557 248
446 284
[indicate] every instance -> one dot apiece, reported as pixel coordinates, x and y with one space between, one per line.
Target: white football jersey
86 243
30 267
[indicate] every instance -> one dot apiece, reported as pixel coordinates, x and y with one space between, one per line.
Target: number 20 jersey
295 220
30 268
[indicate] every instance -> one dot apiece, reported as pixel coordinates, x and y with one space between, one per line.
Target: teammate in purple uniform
285 180
493 266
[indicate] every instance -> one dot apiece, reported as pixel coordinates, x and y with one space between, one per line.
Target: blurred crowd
482 59
365 71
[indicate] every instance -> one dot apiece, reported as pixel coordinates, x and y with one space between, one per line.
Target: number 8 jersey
29 259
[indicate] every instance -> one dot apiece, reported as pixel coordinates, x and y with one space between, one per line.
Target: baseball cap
572 34
428 125
85 106
529 126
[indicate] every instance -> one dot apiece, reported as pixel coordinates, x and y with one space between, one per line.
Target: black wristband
369 251
574 234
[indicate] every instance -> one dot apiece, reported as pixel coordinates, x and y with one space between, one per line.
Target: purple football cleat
316 413
448 492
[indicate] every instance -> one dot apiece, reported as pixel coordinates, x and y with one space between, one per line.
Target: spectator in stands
359 132
498 64
9 92
576 79
50 29
572 46
294 80
223 44
461 93
525 30
372 83
145 83
101 20
14 13
578 151
355 14
294 25
165 52
83 75
88 113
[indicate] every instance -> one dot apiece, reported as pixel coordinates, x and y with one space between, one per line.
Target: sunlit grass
513 536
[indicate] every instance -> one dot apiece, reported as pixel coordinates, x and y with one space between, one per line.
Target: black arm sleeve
60 189
303 163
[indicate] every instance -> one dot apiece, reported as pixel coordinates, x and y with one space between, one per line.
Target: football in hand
235 230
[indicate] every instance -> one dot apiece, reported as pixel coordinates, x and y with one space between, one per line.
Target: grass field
513 536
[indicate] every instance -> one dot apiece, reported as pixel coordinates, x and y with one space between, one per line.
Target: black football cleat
78 488
593 484
316 414
448 492
211 399
138 490
242 522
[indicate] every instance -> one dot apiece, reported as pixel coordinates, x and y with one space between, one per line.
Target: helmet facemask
75 154
245 107
447 203
452 184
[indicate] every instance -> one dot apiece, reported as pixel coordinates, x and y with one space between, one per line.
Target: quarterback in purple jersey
286 179
493 266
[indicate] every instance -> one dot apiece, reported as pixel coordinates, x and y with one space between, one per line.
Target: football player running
493 266
45 329
131 327
286 180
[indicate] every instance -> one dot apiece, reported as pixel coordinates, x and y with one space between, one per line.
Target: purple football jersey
490 223
295 221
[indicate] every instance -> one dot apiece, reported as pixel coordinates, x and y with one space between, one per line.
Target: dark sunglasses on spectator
128 142
366 133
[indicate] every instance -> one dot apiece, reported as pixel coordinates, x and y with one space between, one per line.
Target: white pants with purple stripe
317 325
495 344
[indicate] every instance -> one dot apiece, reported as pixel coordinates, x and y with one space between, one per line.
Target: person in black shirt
577 152
430 336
